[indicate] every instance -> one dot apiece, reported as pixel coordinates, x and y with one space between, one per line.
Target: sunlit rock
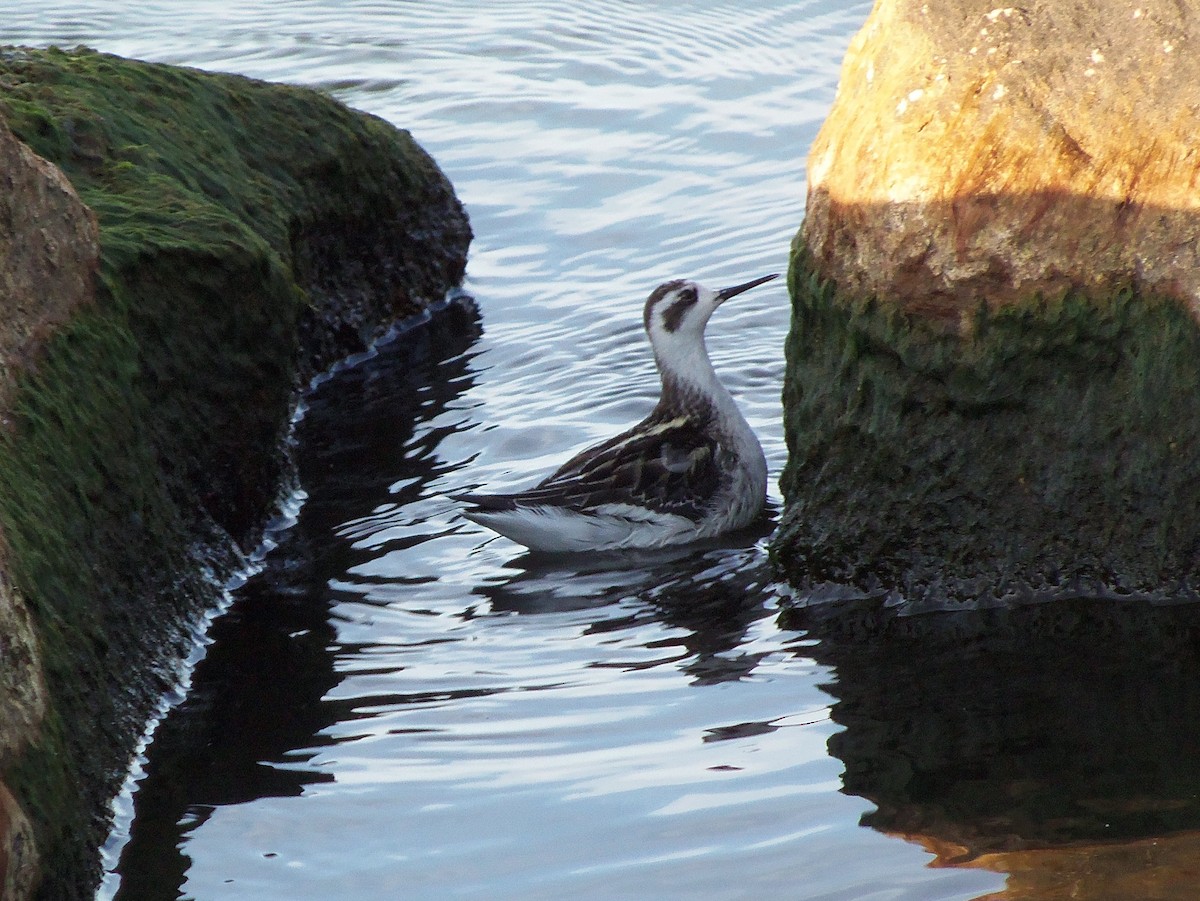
980 153
994 366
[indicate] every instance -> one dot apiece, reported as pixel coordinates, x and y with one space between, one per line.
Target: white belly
607 528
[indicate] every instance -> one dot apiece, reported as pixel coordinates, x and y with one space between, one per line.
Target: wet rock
993 366
249 234
980 153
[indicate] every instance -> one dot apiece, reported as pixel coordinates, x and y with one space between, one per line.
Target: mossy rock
250 233
1051 449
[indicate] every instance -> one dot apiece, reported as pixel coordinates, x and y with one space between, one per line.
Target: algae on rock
1049 450
249 234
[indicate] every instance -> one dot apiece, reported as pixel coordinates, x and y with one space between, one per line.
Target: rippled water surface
400 706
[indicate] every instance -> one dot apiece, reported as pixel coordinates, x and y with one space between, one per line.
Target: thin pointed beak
725 293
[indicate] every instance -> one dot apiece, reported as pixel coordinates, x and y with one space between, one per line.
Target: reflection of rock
977 153
993 732
249 234
993 382
1159 869
262 694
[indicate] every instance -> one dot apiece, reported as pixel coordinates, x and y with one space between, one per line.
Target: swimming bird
692 469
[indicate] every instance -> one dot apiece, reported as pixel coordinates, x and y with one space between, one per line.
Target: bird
692 469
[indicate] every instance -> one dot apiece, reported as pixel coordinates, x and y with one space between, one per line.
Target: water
400 706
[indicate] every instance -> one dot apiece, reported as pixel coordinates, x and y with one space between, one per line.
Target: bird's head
677 312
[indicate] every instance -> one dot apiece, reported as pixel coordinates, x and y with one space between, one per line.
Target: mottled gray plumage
667 463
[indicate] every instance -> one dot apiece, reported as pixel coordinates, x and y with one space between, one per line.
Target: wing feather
665 464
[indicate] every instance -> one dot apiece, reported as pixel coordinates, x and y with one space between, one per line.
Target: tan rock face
49 251
18 853
978 153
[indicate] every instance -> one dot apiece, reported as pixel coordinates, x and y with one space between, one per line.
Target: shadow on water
260 692
1058 743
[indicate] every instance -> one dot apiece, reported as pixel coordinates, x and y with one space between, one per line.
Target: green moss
1052 449
94 543
249 233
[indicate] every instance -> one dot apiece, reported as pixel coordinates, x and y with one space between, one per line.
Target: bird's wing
665 464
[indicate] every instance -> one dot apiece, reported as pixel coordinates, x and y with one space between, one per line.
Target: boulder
994 365
249 234
49 253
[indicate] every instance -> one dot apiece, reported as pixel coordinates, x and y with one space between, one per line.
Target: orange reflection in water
1151 869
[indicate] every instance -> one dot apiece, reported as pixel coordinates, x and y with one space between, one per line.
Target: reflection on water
1055 744
1059 742
641 706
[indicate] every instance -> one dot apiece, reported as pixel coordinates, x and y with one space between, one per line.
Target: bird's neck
688 378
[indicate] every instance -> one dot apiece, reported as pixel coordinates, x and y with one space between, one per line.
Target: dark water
398 706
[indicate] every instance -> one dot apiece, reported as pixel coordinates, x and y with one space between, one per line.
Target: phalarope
692 469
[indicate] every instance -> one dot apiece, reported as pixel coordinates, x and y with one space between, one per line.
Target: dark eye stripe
660 294
673 315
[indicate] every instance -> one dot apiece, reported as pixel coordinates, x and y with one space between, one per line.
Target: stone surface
978 153
19 865
22 681
49 253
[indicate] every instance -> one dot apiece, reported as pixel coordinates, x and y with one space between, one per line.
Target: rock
49 253
19 866
994 365
979 154
249 234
